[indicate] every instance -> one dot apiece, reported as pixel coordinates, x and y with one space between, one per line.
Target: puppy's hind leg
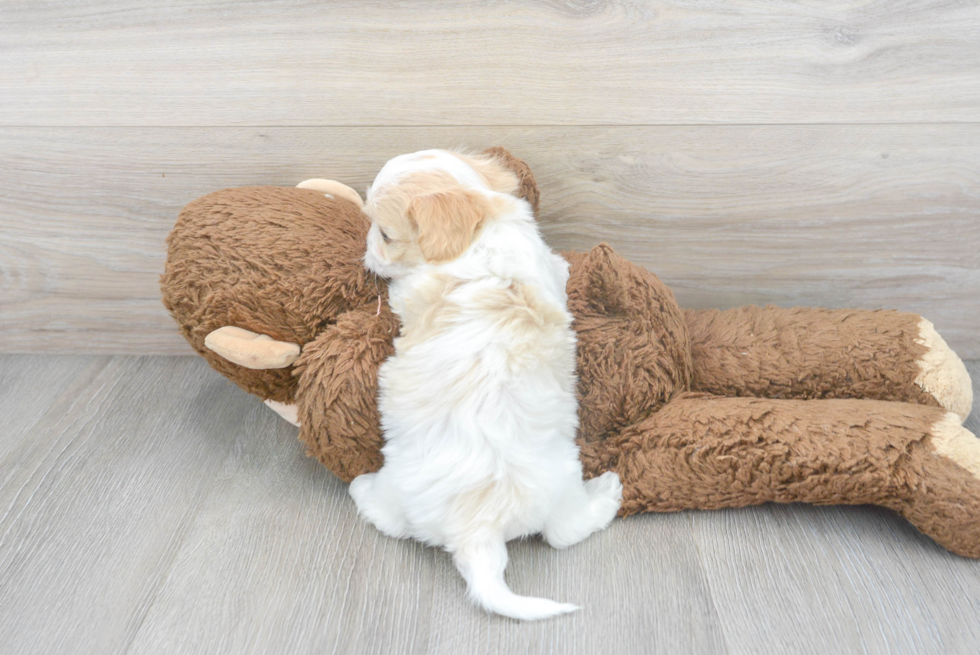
585 509
378 504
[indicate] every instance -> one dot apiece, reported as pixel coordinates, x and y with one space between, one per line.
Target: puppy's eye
384 236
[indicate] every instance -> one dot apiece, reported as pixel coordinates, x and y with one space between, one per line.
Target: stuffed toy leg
702 451
809 353
708 452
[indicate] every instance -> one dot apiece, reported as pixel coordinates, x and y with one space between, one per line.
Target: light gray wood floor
148 506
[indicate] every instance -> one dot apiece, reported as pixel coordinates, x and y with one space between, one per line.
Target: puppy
478 402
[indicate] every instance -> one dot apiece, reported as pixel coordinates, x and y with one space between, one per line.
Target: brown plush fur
807 353
695 409
338 381
711 452
528 187
273 260
633 347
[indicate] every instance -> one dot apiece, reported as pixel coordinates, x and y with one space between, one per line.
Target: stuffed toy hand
694 409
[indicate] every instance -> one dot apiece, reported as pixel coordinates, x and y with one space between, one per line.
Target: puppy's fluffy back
478 403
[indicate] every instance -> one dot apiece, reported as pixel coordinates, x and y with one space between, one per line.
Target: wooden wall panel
870 216
353 62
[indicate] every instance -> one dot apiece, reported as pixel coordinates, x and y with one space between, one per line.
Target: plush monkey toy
695 409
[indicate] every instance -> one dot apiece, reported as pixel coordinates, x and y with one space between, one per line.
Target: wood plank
29 385
972 422
278 561
119 62
94 506
863 216
835 579
640 583
796 578
161 510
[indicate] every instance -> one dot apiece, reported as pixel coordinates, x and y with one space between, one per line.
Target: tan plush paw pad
942 374
250 349
952 440
289 413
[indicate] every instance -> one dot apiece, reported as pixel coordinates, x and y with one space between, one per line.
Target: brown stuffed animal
695 409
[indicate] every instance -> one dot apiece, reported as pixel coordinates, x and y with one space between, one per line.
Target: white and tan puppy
478 402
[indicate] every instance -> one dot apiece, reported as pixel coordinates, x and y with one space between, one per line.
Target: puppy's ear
447 221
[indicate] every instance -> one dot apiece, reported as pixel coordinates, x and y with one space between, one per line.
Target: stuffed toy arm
709 452
337 390
250 349
807 353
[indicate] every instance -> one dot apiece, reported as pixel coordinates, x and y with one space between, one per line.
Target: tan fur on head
446 221
493 170
427 217
388 209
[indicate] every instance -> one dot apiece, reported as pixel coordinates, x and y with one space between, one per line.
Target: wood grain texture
120 62
279 539
862 216
97 498
29 385
801 579
157 509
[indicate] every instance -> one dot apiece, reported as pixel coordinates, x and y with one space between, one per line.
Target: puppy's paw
360 488
607 485
606 495
373 507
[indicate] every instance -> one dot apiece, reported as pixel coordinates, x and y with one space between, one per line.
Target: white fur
480 445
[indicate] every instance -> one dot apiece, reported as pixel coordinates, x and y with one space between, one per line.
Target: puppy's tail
482 565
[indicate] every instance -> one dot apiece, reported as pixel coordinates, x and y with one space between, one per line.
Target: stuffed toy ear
527 185
332 188
446 221
251 350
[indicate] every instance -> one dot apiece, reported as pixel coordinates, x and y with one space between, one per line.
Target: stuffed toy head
278 265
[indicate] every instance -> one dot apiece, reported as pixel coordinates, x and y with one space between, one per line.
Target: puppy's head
429 207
